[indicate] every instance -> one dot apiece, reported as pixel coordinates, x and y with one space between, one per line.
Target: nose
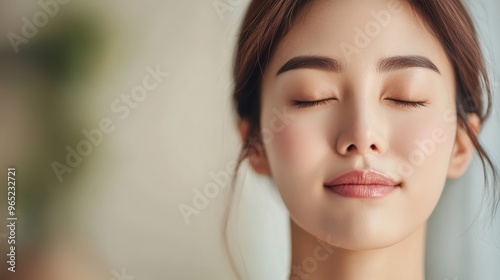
362 134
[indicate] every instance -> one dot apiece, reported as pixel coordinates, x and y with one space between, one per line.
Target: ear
257 153
463 149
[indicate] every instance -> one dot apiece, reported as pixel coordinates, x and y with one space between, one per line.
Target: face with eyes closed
361 100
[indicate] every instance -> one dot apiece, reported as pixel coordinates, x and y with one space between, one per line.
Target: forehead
359 33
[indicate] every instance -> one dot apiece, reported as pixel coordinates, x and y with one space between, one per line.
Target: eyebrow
403 62
329 64
323 63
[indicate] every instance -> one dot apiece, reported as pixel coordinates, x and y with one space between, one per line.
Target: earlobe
256 152
463 149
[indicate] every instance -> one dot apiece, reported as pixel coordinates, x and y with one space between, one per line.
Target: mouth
363 184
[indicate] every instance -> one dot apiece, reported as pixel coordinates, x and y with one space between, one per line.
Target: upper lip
363 177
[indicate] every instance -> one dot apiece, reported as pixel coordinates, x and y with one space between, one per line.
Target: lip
363 184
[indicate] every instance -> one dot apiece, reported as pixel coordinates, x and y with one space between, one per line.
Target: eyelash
400 103
307 104
408 104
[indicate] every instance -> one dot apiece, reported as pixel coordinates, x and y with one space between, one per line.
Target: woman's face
387 93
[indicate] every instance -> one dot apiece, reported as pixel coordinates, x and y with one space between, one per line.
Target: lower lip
362 191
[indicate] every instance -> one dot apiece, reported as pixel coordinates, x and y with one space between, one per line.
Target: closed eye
307 104
408 104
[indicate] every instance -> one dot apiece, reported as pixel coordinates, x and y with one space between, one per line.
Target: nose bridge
361 131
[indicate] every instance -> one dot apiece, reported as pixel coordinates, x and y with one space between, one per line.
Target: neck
316 260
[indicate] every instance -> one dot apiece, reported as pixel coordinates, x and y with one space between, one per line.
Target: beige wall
125 199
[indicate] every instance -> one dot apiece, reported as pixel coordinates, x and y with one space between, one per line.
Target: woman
359 111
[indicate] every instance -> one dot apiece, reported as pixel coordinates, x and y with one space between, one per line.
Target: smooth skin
383 107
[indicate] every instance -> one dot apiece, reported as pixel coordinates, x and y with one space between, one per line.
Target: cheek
289 142
425 147
299 146
423 155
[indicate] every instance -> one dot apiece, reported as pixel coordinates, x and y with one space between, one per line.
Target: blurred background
117 117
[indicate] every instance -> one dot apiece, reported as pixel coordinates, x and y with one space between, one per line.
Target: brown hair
268 21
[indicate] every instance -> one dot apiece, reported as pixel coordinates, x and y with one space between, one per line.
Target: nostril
353 148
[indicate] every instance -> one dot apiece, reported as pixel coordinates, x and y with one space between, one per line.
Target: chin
360 236
364 242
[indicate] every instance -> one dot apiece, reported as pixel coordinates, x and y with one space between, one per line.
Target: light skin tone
389 107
